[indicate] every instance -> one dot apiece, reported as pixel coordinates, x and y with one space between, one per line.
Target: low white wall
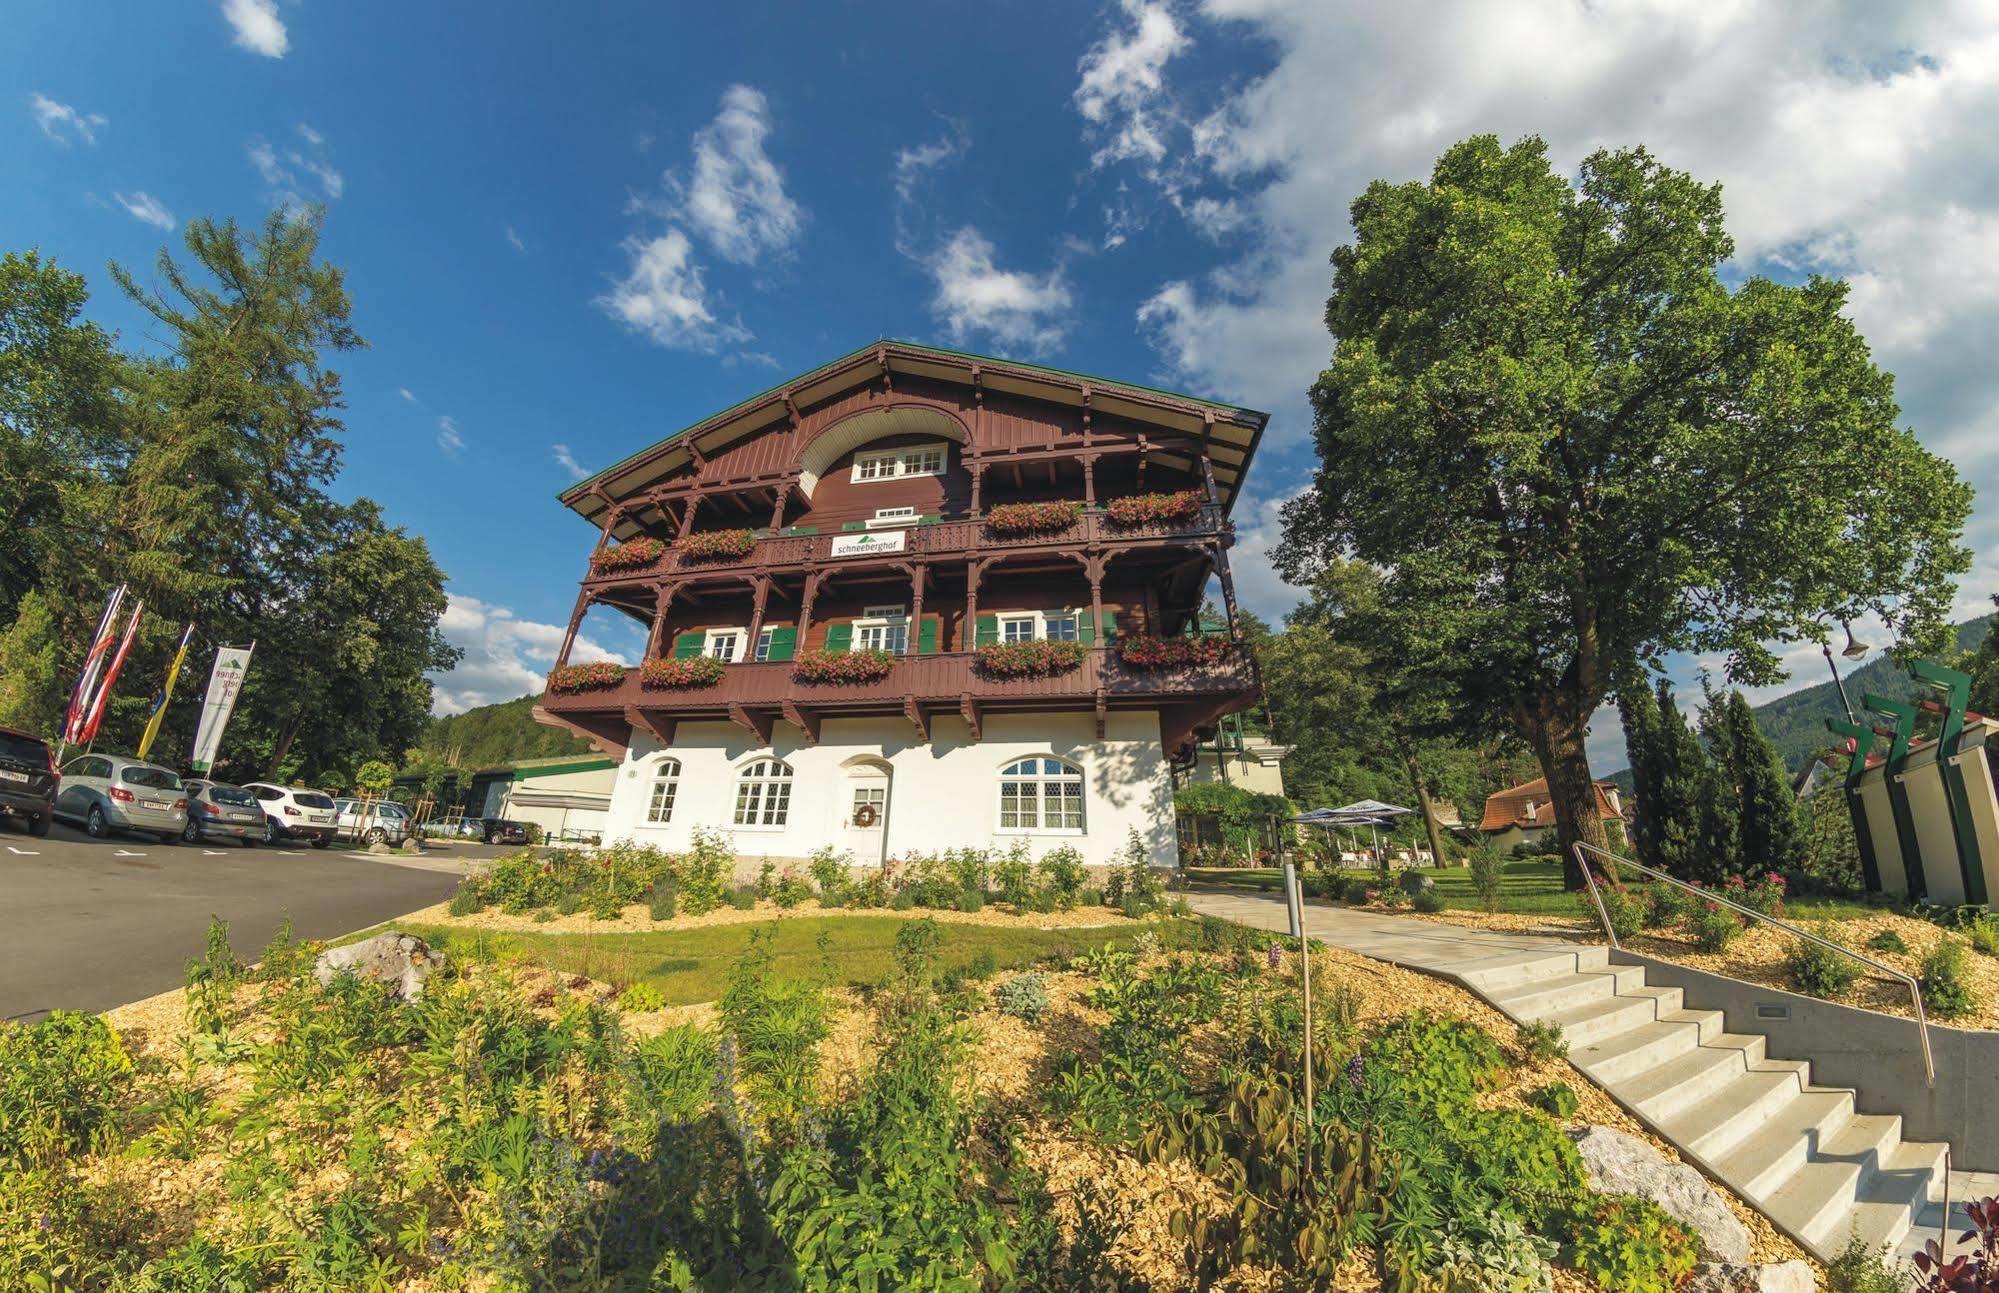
943 793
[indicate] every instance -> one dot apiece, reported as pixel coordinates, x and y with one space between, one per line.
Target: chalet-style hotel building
915 600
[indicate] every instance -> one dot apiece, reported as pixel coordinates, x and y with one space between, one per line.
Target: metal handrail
1582 849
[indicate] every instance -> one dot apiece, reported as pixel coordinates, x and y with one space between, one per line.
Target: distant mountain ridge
491 735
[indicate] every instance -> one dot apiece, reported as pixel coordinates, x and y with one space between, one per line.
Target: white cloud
285 170
406 393
975 297
145 207
507 657
912 163
663 296
567 461
514 240
735 198
64 124
257 26
1123 81
449 438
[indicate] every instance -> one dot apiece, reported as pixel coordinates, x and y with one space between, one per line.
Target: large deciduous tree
1570 446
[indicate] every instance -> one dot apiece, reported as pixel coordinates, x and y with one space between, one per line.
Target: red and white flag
96 718
86 681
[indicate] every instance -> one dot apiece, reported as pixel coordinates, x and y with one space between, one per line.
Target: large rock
398 960
1619 1164
1732 1277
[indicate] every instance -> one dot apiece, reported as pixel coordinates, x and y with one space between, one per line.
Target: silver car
217 810
108 792
384 821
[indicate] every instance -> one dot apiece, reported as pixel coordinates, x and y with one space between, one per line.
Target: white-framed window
1041 794
1018 628
911 460
883 628
764 637
887 518
1061 626
763 794
665 789
1051 626
875 797
723 644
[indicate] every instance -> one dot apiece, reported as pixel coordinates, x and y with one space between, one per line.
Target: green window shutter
839 637
1086 622
1109 626
805 529
988 630
783 643
689 644
926 637
853 525
928 520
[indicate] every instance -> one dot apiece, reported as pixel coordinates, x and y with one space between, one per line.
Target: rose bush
1151 509
1032 518
634 554
865 665
1175 653
716 545
586 677
1029 659
680 674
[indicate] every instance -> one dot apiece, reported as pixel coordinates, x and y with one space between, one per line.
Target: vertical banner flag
86 679
225 682
165 693
97 707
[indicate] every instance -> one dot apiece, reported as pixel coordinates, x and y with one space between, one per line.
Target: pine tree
1682 775
1639 710
1772 834
30 689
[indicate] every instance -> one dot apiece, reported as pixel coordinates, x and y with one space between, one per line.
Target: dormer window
892 464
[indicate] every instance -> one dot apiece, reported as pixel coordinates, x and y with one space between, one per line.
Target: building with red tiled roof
1525 814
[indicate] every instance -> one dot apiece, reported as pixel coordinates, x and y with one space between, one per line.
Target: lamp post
1853 650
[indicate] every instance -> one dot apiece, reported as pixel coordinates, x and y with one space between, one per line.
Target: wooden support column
687 509
1154 625
1221 556
662 602
1090 479
919 575
968 636
612 515
812 578
762 585
1093 567
1144 447
575 622
777 508
978 480
1208 479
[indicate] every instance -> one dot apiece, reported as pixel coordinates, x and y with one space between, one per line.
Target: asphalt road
90 924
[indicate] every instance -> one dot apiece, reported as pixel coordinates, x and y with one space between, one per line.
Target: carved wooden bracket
804 720
662 726
758 725
969 709
1103 712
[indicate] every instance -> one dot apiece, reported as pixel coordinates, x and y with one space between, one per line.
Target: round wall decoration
865 815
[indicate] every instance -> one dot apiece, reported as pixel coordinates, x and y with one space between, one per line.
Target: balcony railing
937 678
938 539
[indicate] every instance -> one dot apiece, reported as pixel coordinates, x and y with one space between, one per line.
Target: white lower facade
873 787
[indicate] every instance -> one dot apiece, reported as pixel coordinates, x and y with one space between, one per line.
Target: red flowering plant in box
680 674
635 554
1175 653
1032 518
717 545
1151 509
586 677
1029 659
865 665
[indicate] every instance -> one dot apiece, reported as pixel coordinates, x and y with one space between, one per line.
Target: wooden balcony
937 541
918 687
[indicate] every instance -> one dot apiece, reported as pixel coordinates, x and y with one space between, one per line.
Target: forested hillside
494 734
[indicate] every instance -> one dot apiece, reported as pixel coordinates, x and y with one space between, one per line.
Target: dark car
497 830
218 810
28 780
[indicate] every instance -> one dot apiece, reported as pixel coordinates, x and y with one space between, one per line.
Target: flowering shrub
866 665
716 545
586 677
1032 518
1151 509
1175 653
1766 895
635 554
1029 659
694 671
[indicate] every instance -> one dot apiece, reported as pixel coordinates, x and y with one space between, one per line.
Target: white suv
294 812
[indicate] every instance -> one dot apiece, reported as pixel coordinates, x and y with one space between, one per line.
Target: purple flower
1274 954
1356 1071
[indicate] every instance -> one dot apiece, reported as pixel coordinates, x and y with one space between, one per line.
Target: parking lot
90 924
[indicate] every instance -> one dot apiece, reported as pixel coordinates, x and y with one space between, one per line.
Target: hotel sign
868 543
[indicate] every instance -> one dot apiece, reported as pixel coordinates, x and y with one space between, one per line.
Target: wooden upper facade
853 507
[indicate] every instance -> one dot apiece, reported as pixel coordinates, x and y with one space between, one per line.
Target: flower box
680 674
865 665
1029 659
1032 518
1175 653
635 554
717 545
1154 509
586 677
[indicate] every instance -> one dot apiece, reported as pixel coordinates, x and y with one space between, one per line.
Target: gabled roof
1232 431
1528 806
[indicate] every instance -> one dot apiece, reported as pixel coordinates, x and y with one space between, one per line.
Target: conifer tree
1687 827
1639 710
1772 834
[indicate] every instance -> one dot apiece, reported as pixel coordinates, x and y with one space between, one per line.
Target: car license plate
160 805
320 819
8 774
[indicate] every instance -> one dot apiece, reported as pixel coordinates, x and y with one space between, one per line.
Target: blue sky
570 230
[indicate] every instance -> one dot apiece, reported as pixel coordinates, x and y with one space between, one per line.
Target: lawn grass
692 965
1528 888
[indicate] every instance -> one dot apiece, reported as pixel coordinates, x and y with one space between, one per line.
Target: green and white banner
225 683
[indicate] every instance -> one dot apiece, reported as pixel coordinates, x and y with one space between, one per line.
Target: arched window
665 788
763 794
1041 794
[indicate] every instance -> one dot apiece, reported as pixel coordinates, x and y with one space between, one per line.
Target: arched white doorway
865 802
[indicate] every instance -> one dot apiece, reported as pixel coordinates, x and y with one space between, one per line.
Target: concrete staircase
1798 1152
